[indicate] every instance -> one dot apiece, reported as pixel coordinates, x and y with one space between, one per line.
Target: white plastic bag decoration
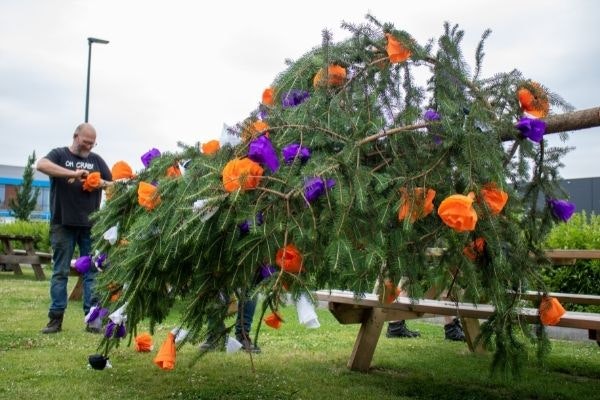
112 234
118 316
232 345
180 334
306 312
206 212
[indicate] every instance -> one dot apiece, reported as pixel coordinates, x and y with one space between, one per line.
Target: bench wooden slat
422 307
564 297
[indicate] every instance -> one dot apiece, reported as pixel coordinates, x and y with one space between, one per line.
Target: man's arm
56 171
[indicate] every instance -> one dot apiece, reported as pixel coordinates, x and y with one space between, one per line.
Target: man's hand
79 174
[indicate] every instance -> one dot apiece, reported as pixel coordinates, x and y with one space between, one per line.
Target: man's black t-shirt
69 204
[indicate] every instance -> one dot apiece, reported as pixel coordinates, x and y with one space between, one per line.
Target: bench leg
366 341
77 291
39 272
472 330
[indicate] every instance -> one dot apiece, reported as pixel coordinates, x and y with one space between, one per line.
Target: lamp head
96 40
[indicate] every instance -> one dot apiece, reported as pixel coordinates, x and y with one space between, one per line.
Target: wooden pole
573 121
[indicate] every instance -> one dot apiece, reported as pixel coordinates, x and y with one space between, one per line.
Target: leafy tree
27 196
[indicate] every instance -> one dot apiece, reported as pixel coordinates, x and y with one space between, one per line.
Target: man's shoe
398 329
54 325
247 344
212 343
453 331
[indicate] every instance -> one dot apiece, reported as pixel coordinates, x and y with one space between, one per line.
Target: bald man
70 208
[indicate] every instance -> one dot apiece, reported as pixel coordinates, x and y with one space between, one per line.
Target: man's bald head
84 139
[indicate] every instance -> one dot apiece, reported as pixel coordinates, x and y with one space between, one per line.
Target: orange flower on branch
417 205
211 147
533 99
457 212
268 97
255 129
390 292
148 196
289 259
121 170
475 249
336 76
396 51
173 171
273 320
494 198
242 174
92 182
550 310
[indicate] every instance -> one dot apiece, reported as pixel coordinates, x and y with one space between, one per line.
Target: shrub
37 229
580 232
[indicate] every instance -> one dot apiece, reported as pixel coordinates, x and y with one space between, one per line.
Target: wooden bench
12 258
371 314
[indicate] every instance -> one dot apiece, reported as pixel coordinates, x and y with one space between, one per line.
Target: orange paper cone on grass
143 342
165 358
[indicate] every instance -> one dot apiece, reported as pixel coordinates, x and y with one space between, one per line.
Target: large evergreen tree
27 195
358 172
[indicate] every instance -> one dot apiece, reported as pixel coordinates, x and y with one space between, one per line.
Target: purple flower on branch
244 227
83 264
431 115
291 151
561 209
532 128
261 150
294 98
315 187
266 271
148 156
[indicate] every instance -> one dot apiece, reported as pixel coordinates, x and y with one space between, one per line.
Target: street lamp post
87 92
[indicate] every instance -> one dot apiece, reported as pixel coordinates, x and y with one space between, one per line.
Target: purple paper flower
100 259
291 151
431 115
95 313
245 226
83 264
532 128
266 271
294 98
261 150
110 329
120 332
315 187
150 155
561 209
437 139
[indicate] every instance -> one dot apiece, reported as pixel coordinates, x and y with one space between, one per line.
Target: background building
11 177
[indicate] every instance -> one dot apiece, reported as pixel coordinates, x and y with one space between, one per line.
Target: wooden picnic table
12 258
371 313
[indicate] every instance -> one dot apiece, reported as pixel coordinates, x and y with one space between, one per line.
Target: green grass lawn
295 363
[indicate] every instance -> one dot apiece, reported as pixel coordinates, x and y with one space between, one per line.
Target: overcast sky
178 70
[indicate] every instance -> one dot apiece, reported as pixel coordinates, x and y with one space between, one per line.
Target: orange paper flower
550 310
418 205
396 51
268 97
289 259
336 76
241 173
143 342
273 320
475 249
255 129
165 358
173 171
148 196
533 100
92 182
494 198
121 170
457 212
390 292
211 147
